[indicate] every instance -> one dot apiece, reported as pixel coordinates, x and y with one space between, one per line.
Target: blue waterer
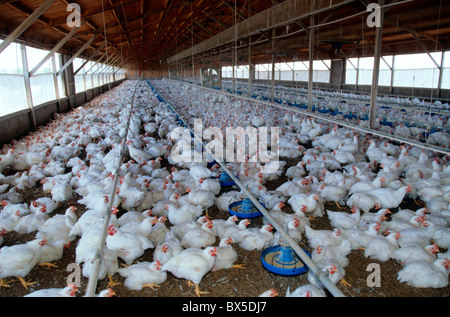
225 179
244 209
281 259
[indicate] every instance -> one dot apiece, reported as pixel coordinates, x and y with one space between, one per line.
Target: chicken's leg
25 283
337 205
112 282
49 265
197 289
238 266
150 285
345 283
3 283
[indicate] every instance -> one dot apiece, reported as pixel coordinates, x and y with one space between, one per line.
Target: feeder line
350 126
92 283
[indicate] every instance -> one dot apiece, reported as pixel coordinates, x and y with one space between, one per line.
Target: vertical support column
293 73
26 75
251 69
391 84
233 53
310 69
56 85
376 71
272 91
357 74
441 70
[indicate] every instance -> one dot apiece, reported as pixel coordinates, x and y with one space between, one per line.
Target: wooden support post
441 70
56 85
28 85
311 59
272 84
373 124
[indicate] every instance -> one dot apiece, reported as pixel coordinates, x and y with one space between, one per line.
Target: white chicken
410 253
323 237
380 248
108 266
9 220
424 274
364 201
53 251
50 204
332 193
219 225
226 256
441 238
255 239
58 227
167 248
203 198
62 192
138 155
389 198
199 237
334 253
134 216
144 274
159 231
200 171
68 291
32 222
309 290
192 264
2 235
344 220
128 246
336 274
209 184
413 236
143 228
302 203
296 170
184 214
360 238
18 260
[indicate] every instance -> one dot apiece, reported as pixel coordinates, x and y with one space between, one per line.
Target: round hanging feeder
282 260
244 209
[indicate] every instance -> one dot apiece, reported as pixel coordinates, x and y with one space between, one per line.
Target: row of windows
13 96
411 70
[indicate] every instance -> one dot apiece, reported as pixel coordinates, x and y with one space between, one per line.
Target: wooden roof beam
26 24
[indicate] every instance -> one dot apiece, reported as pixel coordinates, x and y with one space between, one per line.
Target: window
416 70
12 86
42 84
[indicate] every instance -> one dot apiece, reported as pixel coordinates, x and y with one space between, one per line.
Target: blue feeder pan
281 260
225 180
211 164
244 209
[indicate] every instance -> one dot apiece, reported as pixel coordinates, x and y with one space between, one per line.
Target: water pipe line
93 279
337 122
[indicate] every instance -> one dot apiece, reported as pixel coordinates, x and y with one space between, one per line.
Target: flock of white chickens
166 209
407 118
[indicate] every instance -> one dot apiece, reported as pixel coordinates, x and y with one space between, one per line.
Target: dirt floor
248 282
